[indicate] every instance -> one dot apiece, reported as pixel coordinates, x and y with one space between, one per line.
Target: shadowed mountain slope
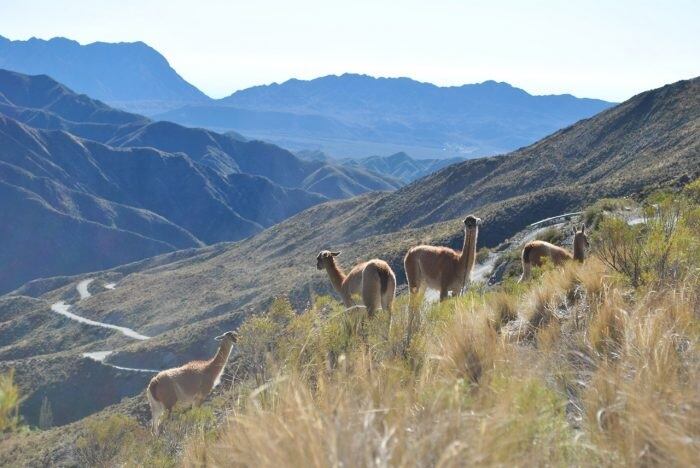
40 102
228 155
127 188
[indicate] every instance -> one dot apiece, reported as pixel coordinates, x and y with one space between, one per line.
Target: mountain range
651 140
86 186
350 115
356 115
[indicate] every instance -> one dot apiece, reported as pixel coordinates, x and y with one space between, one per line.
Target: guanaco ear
583 229
573 229
335 254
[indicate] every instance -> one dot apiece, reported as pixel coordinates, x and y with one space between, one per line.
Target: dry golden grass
643 406
576 368
610 378
503 307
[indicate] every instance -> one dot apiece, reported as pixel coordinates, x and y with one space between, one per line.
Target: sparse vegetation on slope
575 368
598 374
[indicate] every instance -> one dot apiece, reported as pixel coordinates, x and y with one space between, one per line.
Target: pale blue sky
604 49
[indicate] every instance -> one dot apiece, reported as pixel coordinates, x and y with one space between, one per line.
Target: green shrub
105 439
692 191
619 246
281 311
551 235
512 261
663 249
258 335
595 213
9 403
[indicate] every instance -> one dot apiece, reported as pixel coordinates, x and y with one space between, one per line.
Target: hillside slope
546 179
507 191
659 146
539 364
650 139
356 115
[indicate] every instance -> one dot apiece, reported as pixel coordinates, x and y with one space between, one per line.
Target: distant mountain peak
124 73
57 40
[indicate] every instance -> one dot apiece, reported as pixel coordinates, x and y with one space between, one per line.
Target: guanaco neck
579 252
468 255
335 274
219 360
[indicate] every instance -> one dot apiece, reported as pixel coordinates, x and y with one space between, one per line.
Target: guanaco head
580 243
324 257
231 336
471 221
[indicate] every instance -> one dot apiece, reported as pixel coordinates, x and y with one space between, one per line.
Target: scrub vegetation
589 364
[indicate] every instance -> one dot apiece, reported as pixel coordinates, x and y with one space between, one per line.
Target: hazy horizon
596 50
311 78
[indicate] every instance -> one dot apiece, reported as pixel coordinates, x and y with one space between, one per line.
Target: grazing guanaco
536 251
373 280
188 384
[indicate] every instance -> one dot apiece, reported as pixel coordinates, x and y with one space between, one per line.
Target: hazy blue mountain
129 75
355 115
41 102
349 115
